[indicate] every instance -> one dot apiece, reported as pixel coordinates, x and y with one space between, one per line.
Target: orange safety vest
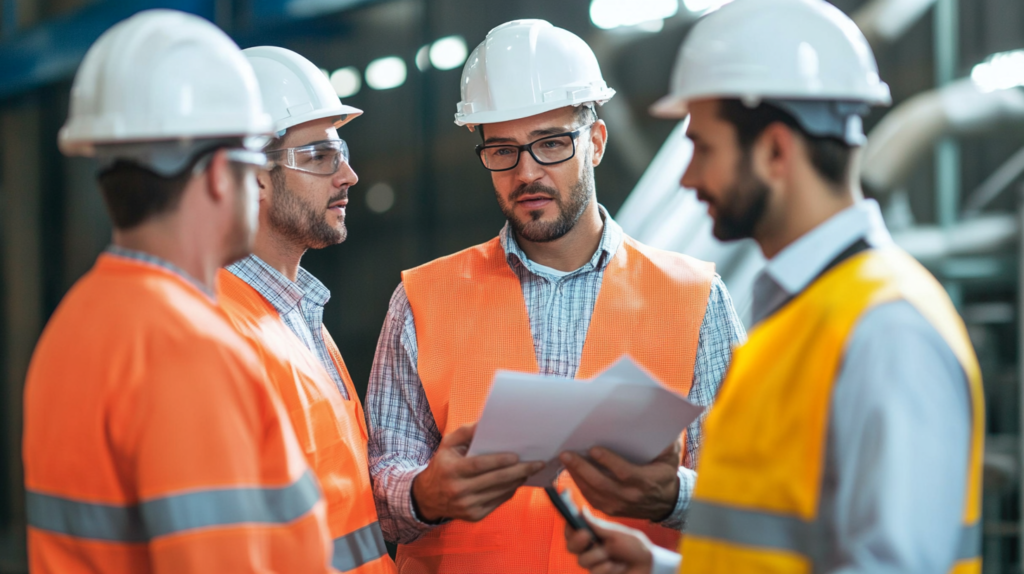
331 430
756 503
153 443
471 320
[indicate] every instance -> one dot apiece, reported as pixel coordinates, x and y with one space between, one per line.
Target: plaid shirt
300 304
403 434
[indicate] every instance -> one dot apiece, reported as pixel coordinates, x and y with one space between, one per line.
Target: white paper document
538 417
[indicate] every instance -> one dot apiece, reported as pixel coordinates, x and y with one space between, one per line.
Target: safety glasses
548 150
235 155
320 158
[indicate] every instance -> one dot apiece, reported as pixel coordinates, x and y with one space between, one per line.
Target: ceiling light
608 14
1000 71
346 81
448 53
423 58
700 6
385 73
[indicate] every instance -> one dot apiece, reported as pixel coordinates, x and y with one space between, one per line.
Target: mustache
532 189
341 195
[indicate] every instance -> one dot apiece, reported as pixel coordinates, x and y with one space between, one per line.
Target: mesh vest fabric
471 320
330 429
153 442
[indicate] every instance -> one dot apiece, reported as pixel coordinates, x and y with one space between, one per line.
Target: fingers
673 454
487 463
586 475
460 436
593 558
504 476
619 467
577 541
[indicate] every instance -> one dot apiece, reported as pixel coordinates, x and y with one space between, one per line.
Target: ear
265 183
773 153
220 181
599 140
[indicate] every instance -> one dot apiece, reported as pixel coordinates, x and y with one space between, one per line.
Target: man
562 291
152 440
278 306
848 434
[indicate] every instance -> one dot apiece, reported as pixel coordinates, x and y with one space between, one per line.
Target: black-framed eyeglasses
547 150
321 158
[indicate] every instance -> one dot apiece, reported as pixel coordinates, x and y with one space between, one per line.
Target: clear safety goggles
321 158
256 159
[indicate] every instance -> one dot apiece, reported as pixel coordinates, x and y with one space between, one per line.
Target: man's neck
802 214
174 243
278 253
574 249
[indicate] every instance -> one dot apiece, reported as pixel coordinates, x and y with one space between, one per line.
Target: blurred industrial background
945 162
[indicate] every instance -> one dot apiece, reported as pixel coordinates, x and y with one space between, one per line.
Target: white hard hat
294 90
755 50
528 67
161 76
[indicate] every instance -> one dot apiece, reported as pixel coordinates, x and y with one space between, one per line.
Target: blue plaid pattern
403 434
300 304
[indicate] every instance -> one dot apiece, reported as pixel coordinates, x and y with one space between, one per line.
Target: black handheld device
563 503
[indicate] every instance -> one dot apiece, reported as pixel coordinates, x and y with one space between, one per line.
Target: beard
300 220
742 206
570 208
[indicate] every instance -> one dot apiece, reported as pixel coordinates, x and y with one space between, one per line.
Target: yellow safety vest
756 504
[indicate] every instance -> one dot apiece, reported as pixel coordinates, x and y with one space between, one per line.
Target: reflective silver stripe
358 547
84 519
781 532
970 542
173 514
755 528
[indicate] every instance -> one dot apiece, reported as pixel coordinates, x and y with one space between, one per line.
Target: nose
528 170
345 176
690 178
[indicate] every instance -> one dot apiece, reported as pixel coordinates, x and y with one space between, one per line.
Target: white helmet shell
294 90
528 67
784 49
162 75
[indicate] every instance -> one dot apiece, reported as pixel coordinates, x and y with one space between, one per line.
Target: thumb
461 436
672 454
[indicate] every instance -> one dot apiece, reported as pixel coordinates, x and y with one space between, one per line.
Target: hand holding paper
623 410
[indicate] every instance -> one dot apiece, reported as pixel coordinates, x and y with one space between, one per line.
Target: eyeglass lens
546 151
320 159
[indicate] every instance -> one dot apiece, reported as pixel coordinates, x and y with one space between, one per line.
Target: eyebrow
535 134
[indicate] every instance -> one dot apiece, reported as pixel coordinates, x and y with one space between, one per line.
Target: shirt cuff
403 500
677 520
665 561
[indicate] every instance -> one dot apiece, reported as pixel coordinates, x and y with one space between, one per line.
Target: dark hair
829 156
134 194
584 114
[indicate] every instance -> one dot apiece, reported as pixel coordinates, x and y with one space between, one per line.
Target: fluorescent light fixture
423 58
380 197
699 6
608 14
346 81
1000 71
386 73
448 53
